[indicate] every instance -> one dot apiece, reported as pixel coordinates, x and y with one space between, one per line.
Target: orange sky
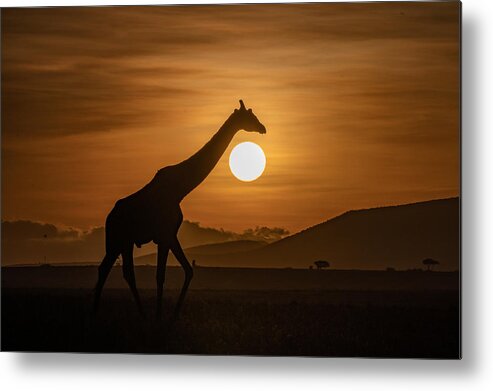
360 102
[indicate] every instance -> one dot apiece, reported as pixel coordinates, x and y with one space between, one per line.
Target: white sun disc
247 161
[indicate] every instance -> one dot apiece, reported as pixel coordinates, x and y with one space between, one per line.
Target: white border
474 372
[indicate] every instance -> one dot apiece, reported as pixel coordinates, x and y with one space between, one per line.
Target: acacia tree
429 263
321 264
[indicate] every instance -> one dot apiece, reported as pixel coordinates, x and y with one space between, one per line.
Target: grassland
364 314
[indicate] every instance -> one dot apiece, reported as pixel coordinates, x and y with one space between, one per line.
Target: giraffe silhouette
153 213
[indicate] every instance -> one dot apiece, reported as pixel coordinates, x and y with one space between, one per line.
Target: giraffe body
150 214
153 213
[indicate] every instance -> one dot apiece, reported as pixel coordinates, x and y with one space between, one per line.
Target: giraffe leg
103 271
129 275
180 256
162 257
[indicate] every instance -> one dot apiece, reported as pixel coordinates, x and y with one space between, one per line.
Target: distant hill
394 236
235 246
226 247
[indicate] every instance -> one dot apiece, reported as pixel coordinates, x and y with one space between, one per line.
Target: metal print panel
272 179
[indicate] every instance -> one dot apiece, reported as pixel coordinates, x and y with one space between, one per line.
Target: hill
231 247
394 236
226 247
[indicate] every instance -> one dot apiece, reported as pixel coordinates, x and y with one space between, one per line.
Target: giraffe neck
192 172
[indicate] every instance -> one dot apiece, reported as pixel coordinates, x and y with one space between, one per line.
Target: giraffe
153 213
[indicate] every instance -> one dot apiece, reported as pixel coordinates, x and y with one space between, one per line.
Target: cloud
264 233
28 230
87 70
96 69
81 99
25 241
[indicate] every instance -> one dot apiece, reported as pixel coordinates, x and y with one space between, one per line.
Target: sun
247 161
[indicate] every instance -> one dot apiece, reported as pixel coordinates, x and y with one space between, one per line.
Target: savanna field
237 311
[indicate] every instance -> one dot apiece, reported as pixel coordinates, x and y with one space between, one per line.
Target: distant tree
193 263
321 264
429 263
310 267
390 269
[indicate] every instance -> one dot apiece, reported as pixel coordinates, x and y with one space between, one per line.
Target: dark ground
394 314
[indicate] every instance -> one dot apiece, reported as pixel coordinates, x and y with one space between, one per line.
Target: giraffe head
244 118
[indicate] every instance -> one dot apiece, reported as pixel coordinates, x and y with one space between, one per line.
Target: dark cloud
264 233
80 69
83 70
29 230
82 99
25 241
399 21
